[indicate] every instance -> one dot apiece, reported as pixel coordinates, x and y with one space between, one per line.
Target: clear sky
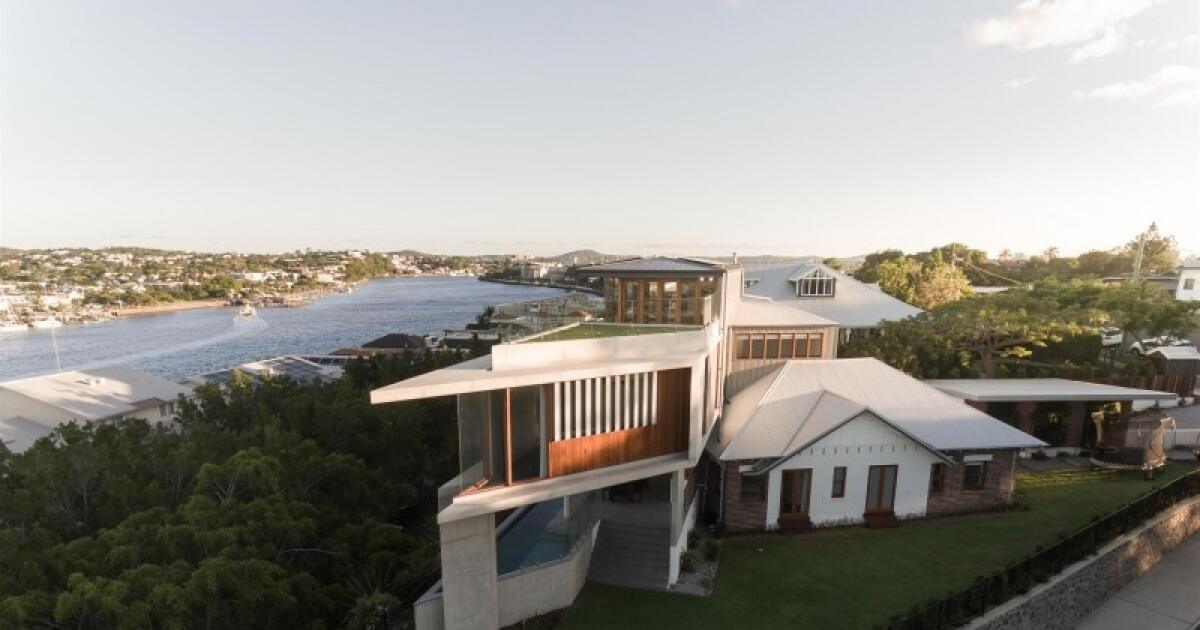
704 127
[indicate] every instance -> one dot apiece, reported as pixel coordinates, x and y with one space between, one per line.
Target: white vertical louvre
652 399
609 422
575 385
558 411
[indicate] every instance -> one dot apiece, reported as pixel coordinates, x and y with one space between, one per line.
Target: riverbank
168 307
546 285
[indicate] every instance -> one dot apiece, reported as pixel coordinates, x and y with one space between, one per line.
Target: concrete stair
636 556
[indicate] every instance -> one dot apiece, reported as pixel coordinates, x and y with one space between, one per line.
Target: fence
1181 385
959 608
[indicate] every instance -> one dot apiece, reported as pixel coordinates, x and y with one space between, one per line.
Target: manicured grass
597 331
858 578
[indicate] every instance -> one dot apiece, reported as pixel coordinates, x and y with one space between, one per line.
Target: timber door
881 489
795 492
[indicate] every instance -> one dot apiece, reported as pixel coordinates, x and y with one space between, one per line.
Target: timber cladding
668 435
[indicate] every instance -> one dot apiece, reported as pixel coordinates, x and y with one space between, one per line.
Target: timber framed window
937 477
786 345
819 283
839 482
974 475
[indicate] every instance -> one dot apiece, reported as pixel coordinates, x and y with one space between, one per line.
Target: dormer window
817 283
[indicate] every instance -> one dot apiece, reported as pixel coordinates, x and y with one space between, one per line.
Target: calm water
187 343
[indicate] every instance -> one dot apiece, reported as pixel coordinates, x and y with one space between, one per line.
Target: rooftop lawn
598 331
857 578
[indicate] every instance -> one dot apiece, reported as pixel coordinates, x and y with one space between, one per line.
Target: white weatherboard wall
858 444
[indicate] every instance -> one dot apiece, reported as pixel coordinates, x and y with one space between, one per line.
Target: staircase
637 556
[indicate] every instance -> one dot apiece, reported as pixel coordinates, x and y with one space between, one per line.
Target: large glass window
484 435
816 284
814 345
756 347
528 433
651 305
772 346
743 346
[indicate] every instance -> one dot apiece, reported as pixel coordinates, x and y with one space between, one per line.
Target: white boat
247 311
11 326
48 322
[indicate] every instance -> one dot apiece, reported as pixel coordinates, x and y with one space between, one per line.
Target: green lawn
597 331
857 578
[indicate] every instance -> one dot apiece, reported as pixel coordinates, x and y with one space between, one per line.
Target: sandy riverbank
169 307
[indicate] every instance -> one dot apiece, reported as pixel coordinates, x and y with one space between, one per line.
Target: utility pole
1137 260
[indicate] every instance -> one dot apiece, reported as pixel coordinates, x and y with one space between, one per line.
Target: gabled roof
656 264
853 305
802 401
97 393
19 433
756 311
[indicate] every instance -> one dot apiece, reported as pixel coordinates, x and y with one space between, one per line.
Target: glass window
481 439
786 349
801 350
652 304
772 346
1189 284
528 433
756 347
743 346
839 482
814 345
752 487
974 475
937 477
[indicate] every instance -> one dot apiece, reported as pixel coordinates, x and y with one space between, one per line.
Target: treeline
1049 328
280 505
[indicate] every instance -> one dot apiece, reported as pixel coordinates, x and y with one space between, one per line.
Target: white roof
803 400
1191 263
758 311
19 433
1176 352
853 305
97 393
1040 389
477 375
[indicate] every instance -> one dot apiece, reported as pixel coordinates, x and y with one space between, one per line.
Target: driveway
1165 598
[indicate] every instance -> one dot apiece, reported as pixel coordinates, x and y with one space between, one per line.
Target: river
187 343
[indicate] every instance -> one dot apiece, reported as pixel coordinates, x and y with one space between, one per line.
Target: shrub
687 562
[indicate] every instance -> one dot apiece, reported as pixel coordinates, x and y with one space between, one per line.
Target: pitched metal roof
657 264
1174 353
853 304
1040 389
803 400
754 311
97 393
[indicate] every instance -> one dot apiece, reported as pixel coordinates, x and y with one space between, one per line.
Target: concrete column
1076 417
469 596
1025 410
678 491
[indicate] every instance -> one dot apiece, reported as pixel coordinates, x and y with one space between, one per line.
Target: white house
1188 287
31 408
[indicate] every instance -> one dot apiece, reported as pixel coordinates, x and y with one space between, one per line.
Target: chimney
735 259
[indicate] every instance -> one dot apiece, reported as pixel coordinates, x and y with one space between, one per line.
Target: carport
1054 408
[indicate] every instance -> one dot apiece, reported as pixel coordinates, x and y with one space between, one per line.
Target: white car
1140 348
1110 336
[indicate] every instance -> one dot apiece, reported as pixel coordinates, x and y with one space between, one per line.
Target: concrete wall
681 542
1184 294
522 594
532 354
1067 599
469 573
860 443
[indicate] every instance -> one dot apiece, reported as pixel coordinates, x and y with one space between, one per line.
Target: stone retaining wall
1067 599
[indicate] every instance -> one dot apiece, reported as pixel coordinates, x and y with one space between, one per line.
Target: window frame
755 489
838 491
937 478
982 482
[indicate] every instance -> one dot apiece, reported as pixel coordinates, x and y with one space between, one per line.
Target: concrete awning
1041 390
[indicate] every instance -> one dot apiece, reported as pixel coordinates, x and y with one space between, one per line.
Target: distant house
299 369
536 270
825 292
395 342
32 408
1187 286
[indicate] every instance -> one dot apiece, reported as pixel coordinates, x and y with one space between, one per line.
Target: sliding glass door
795 491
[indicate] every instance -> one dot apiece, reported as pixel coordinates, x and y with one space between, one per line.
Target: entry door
881 488
795 491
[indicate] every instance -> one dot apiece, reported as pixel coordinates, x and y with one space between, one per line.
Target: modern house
589 451
826 292
32 408
1187 286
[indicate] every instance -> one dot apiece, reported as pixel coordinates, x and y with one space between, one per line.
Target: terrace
601 330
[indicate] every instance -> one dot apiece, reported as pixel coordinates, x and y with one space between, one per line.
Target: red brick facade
742 513
998 483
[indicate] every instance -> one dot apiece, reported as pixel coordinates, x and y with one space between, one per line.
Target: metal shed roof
756 311
853 304
656 264
1040 390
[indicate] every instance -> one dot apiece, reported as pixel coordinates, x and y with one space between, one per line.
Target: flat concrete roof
1040 390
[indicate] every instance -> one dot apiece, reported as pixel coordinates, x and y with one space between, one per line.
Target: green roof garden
595 330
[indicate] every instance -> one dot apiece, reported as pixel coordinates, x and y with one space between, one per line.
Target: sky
639 127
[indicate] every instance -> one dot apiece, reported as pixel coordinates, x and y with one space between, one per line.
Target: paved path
1165 598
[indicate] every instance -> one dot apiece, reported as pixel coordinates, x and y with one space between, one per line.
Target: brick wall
742 514
997 486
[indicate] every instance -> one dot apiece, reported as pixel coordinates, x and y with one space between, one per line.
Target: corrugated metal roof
656 264
853 305
1173 353
803 400
98 392
19 433
756 311
1040 389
